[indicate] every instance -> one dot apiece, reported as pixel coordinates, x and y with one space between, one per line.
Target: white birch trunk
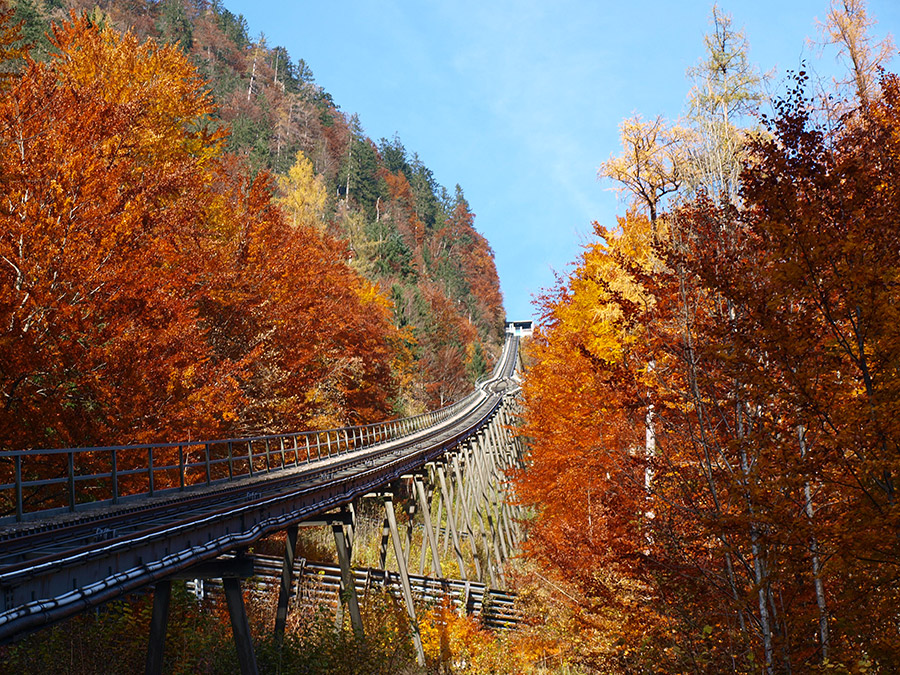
252 73
824 632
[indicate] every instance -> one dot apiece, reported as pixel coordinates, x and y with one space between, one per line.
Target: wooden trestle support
471 487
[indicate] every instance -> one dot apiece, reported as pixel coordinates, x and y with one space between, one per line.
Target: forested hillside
197 240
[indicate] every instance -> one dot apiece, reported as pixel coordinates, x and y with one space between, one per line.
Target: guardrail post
250 456
115 476
71 455
230 460
181 466
150 469
208 473
19 506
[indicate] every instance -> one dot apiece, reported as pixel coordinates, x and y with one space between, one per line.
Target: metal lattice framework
82 526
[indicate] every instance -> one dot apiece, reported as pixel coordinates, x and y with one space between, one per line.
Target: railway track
64 562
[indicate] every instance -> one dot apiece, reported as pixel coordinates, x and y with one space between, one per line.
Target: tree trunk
824 635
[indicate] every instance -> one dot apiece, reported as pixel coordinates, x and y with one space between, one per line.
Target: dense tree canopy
150 286
158 280
713 408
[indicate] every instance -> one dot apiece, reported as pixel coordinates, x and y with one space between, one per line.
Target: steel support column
404 579
350 522
410 520
450 506
484 477
348 586
385 536
162 593
429 529
438 531
492 447
478 496
451 522
462 502
284 592
239 625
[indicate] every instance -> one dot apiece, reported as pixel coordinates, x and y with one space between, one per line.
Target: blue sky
520 102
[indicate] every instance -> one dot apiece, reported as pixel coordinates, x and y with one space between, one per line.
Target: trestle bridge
83 526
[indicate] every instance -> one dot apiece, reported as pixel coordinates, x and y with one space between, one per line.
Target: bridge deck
60 563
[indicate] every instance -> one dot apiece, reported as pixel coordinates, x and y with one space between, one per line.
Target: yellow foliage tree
601 286
304 194
649 166
849 27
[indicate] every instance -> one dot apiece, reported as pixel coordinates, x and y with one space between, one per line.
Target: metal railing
39 483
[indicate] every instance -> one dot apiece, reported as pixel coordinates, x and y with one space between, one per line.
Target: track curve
55 567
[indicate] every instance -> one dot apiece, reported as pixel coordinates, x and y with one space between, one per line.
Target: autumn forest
197 242
714 400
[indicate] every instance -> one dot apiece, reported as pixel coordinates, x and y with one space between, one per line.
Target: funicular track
62 560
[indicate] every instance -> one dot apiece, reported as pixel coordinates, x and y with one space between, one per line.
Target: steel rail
345 439
104 522
80 569
63 488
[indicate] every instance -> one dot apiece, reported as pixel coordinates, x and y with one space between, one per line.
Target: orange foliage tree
586 402
756 533
106 166
149 288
